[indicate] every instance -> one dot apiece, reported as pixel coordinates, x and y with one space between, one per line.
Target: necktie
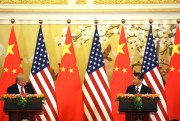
137 90
22 92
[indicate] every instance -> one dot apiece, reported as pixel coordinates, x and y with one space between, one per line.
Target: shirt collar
139 87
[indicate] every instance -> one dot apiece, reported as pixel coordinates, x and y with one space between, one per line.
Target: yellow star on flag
172 68
70 70
120 48
124 70
66 49
175 49
9 50
63 69
116 69
6 69
14 71
20 65
179 70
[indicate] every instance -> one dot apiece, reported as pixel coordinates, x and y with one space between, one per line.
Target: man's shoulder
145 86
13 86
131 86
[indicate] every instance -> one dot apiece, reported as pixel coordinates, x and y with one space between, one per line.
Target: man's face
22 82
137 81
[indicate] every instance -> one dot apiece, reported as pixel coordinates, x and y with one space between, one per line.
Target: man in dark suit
21 86
138 86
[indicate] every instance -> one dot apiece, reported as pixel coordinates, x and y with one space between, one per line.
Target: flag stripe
153 116
87 113
90 102
45 91
37 84
100 81
38 118
157 72
101 93
95 96
48 75
157 83
153 86
103 74
50 90
161 110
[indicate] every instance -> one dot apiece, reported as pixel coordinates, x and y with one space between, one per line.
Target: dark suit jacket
144 89
13 89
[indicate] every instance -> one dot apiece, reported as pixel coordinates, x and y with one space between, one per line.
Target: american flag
97 104
153 78
42 80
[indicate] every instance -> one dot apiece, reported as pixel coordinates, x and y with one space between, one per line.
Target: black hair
173 120
139 75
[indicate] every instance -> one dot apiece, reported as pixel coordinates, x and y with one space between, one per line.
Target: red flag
12 66
68 86
122 75
97 104
42 80
173 80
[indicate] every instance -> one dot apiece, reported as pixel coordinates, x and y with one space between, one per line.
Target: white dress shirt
19 87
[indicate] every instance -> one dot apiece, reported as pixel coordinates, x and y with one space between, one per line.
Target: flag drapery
122 75
97 104
68 86
150 70
172 81
42 80
12 66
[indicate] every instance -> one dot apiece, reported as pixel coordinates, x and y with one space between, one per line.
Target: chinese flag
122 76
173 80
12 66
68 87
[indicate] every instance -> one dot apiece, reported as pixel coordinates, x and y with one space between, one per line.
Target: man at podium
138 86
21 86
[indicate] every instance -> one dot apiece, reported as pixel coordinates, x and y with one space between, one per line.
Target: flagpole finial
150 21
12 21
123 21
69 21
96 21
178 21
40 21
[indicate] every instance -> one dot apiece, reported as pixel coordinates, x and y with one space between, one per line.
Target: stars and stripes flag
173 80
42 80
97 104
122 76
12 67
150 70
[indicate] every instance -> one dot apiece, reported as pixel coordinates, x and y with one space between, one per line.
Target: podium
16 113
133 114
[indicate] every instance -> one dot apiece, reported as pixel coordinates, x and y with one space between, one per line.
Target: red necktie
22 92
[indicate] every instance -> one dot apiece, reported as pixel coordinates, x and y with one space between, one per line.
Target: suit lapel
142 89
17 89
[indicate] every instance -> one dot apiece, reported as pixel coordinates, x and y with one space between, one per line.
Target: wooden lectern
133 114
16 113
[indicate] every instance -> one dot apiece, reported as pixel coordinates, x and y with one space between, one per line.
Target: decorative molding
86 8
80 1
136 1
34 2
